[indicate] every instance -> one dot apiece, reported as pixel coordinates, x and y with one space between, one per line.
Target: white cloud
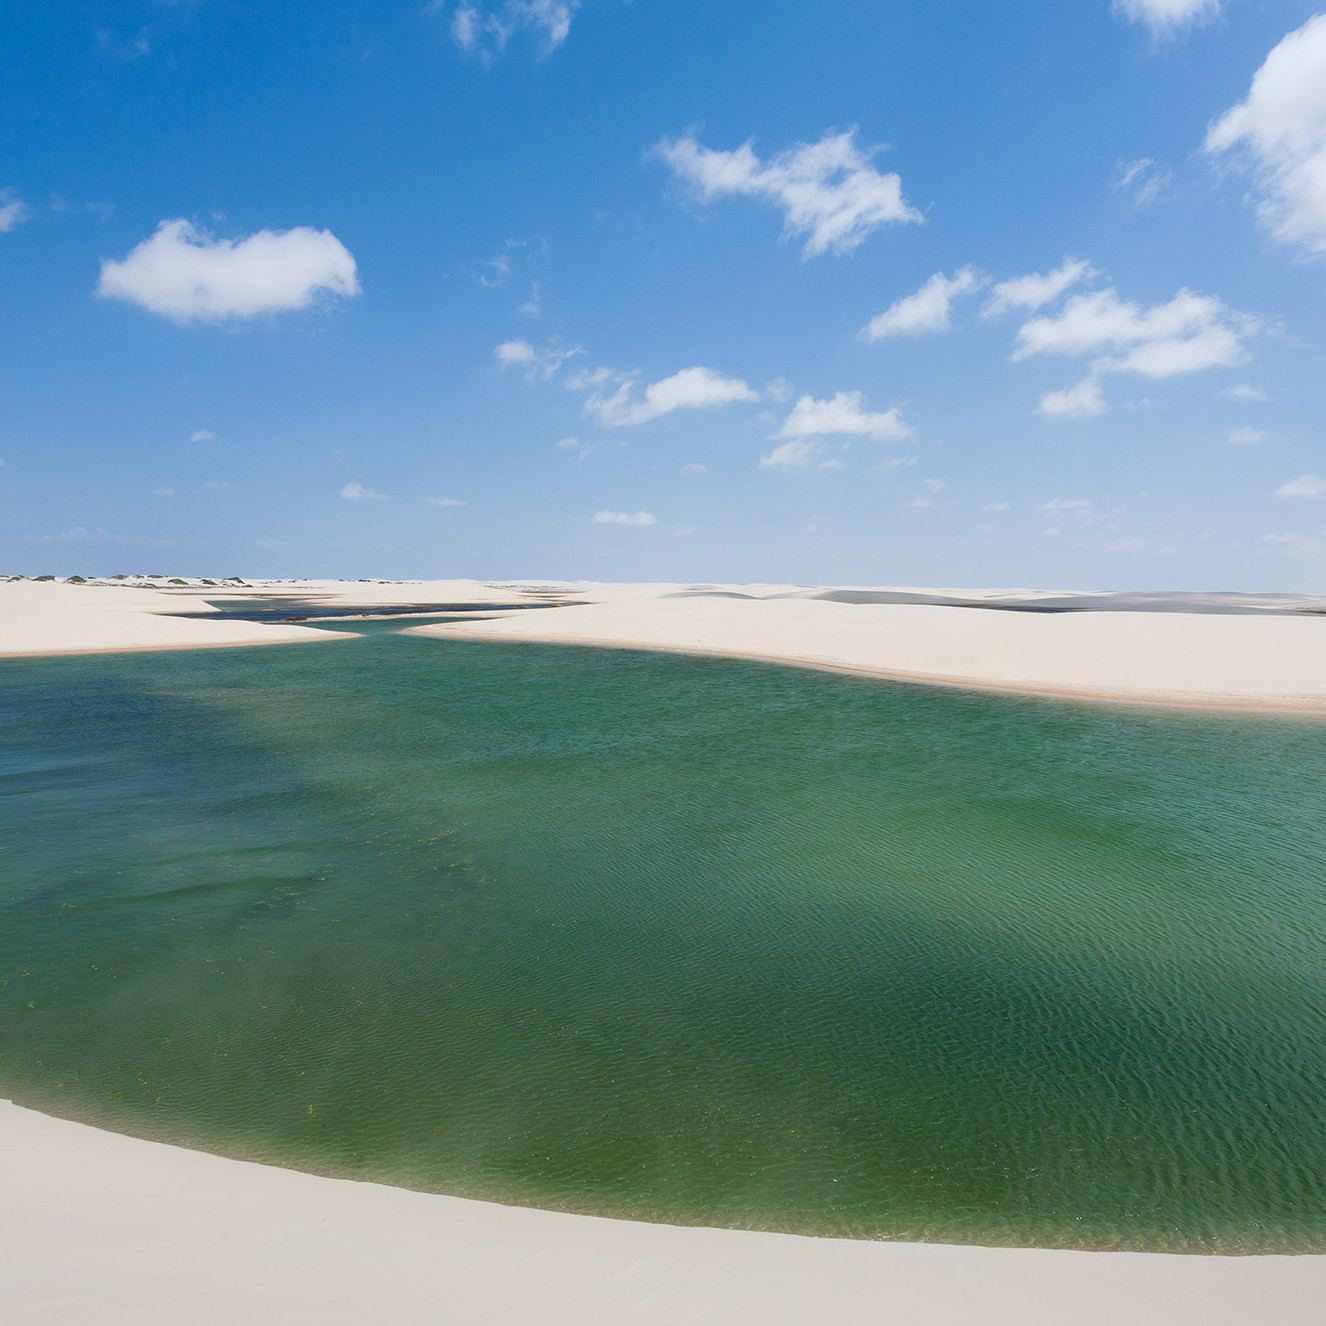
925 312
535 363
780 389
533 306
844 414
1166 17
1246 393
828 191
792 455
201 435
489 31
13 210
1036 290
995 506
693 469
1247 437
1079 402
934 485
164 492
1143 180
356 492
187 275
690 389
1280 131
1190 333
623 518
1306 485
1066 504
445 501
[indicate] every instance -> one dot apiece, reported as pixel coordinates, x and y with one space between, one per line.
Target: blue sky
669 290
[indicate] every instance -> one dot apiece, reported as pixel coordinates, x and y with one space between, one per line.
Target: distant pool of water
678 939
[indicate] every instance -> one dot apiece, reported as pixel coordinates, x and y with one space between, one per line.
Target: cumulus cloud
1306 485
1034 291
355 491
691 389
845 415
1279 135
828 191
1166 17
487 31
925 312
187 275
1247 437
13 210
1189 333
623 518
445 501
1142 180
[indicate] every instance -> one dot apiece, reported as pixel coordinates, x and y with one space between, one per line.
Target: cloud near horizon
924 313
187 275
637 518
827 190
1278 134
354 491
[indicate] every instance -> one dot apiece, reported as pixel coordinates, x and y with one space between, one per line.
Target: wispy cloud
13 210
445 501
536 364
638 518
828 190
1247 437
1306 485
354 491
1036 290
1165 18
486 30
202 435
690 389
926 312
187 275
1082 401
1142 181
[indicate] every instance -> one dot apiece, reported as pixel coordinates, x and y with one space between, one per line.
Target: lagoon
678 939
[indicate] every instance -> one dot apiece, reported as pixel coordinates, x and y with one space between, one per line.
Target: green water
679 939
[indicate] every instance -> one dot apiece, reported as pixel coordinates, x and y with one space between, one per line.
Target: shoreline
1310 708
164 1231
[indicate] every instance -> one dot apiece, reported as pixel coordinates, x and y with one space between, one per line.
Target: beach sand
1183 653
97 1227
100 1227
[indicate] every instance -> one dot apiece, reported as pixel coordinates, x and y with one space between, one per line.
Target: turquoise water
678 939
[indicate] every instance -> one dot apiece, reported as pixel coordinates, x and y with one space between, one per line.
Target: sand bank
97 1227
1173 650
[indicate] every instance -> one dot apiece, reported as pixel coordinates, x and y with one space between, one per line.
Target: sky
866 292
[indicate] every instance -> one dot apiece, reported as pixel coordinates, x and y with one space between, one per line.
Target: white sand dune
1185 653
100 1228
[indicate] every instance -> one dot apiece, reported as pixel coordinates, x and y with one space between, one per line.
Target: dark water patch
696 940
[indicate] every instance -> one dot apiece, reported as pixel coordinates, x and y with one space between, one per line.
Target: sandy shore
43 617
1182 652
97 1227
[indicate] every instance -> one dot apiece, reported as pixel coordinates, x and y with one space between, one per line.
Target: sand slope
46 618
96 1227
1265 659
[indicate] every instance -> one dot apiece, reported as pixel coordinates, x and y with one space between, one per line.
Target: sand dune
1268 652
